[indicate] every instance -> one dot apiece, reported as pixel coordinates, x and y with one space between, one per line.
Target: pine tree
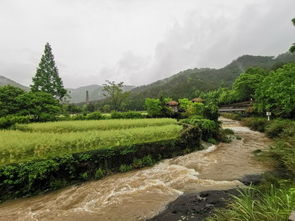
47 78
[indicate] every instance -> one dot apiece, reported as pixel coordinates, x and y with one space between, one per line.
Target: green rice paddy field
55 139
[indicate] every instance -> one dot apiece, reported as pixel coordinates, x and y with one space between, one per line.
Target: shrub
99 173
255 123
269 203
209 128
278 128
8 121
126 115
94 116
125 168
79 117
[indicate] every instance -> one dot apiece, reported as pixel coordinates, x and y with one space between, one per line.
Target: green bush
79 117
279 128
209 128
125 168
99 173
8 121
255 123
232 116
94 116
270 203
39 175
126 115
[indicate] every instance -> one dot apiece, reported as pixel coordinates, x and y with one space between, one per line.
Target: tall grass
75 126
259 204
19 146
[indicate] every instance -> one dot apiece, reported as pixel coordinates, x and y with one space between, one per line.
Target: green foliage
47 78
94 116
270 203
125 168
276 92
99 173
153 107
247 83
79 126
209 128
7 100
40 106
32 177
280 128
17 146
255 123
126 115
115 92
11 120
233 116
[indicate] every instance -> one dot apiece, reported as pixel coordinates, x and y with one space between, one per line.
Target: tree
47 78
8 105
153 107
292 49
40 106
247 83
276 92
116 94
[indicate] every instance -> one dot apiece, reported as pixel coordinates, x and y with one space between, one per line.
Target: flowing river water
142 194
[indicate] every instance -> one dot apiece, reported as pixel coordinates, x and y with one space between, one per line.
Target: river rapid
142 194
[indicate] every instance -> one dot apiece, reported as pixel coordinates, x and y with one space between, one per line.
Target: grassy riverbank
45 156
274 198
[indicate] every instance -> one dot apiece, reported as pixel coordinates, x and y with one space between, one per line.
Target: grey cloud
138 42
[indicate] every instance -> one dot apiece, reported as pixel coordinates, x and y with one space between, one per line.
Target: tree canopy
116 94
47 78
276 92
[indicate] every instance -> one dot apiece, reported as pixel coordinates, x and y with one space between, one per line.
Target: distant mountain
95 92
5 81
185 83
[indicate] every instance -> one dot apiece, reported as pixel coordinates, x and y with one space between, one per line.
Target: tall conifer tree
292 49
47 78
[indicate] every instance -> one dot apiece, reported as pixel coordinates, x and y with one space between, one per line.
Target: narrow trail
141 194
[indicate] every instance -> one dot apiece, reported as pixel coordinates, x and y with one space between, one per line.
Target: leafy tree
153 107
47 78
292 49
8 105
276 92
40 106
116 94
246 84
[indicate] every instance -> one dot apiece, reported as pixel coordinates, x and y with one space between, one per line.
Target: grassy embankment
44 156
274 198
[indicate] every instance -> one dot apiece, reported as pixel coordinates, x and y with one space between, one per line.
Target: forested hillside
186 83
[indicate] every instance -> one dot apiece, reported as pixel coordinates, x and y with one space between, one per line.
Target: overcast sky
138 41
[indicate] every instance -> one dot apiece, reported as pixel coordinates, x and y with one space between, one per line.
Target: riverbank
142 194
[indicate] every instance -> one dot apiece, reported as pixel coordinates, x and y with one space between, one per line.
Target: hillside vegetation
190 82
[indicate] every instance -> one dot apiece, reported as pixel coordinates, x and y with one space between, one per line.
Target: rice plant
80 125
20 146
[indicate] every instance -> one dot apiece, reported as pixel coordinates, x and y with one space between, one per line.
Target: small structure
173 105
197 100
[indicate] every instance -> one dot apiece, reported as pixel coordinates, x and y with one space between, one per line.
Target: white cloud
137 41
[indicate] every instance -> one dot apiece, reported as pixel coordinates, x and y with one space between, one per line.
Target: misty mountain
95 92
186 83
5 81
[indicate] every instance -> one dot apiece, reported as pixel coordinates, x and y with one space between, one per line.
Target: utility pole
87 97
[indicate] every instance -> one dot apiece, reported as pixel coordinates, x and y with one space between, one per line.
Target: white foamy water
141 194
